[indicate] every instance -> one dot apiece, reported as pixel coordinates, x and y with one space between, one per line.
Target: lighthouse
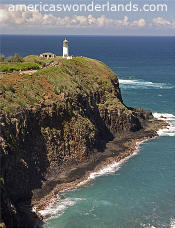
65 49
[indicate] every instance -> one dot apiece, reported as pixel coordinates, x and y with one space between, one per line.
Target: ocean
138 191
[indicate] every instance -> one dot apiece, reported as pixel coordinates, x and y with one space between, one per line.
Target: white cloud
140 22
78 20
36 18
125 21
161 21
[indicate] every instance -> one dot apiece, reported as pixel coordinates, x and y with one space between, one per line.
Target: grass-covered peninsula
54 84
58 123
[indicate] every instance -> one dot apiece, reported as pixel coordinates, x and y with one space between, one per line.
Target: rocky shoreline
121 147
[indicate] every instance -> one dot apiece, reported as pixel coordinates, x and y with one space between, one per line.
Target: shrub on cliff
2 58
15 59
10 67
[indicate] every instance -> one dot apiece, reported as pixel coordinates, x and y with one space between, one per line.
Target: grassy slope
10 67
31 62
52 85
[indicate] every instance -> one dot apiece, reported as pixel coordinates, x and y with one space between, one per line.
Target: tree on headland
16 59
9 59
2 58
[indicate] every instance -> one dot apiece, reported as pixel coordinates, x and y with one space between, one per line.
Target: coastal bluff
55 126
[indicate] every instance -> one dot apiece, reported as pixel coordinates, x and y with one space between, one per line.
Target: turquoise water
140 194
141 191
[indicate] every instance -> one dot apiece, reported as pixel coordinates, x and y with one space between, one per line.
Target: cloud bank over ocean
13 17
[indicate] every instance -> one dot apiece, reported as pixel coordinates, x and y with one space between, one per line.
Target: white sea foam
172 223
58 206
148 226
170 118
135 84
111 168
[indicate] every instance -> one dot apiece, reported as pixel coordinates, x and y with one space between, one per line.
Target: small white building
47 55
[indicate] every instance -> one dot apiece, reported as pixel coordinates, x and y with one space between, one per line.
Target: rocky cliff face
52 120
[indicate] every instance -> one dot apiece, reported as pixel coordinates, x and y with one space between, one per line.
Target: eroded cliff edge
54 126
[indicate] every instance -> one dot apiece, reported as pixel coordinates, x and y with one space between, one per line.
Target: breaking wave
58 206
147 226
172 223
135 84
111 168
170 118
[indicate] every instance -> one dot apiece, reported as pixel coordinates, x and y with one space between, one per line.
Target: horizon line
87 35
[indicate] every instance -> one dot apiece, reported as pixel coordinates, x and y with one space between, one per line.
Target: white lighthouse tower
65 49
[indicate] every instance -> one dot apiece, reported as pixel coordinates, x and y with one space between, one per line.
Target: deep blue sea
140 191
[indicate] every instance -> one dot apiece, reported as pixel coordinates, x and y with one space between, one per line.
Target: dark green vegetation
10 67
12 59
17 63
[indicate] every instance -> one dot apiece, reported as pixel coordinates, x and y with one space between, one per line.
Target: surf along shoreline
121 148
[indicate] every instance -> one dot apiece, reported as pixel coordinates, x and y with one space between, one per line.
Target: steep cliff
52 120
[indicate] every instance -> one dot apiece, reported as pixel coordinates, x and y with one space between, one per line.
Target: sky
88 17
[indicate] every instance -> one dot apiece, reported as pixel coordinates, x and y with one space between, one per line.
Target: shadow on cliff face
109 123
24 159
24 163
91 111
